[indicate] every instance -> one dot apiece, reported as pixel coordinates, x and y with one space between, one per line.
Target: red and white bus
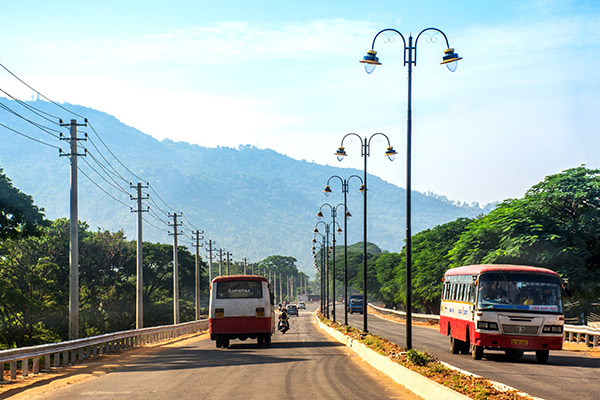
502 307
241 307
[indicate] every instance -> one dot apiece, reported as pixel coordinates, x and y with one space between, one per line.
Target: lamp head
391 153
339 230
316 230
362 188
450 59
319 214
327 190
314 241
371 61
348 215
340 153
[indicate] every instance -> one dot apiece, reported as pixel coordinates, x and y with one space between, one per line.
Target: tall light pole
371 60
339 230
322 248
347 215
366 152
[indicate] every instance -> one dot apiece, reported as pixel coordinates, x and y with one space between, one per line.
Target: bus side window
453 293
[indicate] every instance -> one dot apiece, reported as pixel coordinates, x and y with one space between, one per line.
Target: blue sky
523 103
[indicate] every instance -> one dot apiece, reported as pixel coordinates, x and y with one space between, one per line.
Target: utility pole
275 285
280 290
74 229
245 265
139 301
210 258
220 262
198 244
175 268
228 254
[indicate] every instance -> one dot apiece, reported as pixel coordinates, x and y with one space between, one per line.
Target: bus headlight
552 329
487 325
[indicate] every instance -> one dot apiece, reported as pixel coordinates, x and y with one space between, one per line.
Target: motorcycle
283 326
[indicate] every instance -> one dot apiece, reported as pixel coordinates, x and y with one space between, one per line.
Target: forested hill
252 202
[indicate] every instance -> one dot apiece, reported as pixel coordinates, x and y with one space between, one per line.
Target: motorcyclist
283 320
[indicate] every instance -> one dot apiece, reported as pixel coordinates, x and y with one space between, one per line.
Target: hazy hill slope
253 202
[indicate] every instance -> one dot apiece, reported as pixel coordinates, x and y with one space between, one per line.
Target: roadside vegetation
554 225
34 276
427 365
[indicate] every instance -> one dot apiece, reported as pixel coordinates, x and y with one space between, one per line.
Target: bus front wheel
542 356
476 352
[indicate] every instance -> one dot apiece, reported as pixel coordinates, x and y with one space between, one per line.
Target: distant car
292 309
301 305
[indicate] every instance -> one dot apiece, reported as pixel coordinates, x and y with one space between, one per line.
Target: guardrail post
47 362
36 365
595 340
587 340
13 370
80 355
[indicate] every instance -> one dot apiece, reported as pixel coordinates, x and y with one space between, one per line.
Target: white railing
72 351
572 333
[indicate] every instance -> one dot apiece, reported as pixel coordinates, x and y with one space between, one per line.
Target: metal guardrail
78 350
571 333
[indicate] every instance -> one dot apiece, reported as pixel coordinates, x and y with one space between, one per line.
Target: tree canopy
18 214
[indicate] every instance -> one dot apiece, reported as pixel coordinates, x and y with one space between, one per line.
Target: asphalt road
304 363
568 374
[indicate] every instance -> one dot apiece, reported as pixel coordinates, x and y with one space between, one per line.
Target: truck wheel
219 342
268 339
225 343
260 340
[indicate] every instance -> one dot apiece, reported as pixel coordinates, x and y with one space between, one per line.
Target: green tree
555 225
18 214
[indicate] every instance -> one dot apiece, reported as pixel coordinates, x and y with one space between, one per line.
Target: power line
39 126
99 187
105 180
29 137
154 226
165 203
107 162
39 94
32 108
113 154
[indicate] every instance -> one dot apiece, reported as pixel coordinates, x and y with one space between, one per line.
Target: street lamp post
366 152
371 60
347 215
333 241
321 249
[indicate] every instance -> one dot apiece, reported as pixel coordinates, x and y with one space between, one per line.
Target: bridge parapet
72 351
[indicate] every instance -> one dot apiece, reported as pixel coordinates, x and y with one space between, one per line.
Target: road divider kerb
413 381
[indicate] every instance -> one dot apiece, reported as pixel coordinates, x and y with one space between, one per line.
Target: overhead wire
32 108
105 168
39 126
39 94
29 137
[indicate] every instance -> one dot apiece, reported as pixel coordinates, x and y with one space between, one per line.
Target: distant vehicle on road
241 307
301 305
502 307
355 303
292 309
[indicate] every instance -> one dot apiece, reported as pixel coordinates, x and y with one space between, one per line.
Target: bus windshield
519 291
242 289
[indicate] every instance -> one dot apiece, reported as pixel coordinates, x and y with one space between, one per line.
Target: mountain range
252 202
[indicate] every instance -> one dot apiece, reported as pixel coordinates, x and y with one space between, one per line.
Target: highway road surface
568 374
302 364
